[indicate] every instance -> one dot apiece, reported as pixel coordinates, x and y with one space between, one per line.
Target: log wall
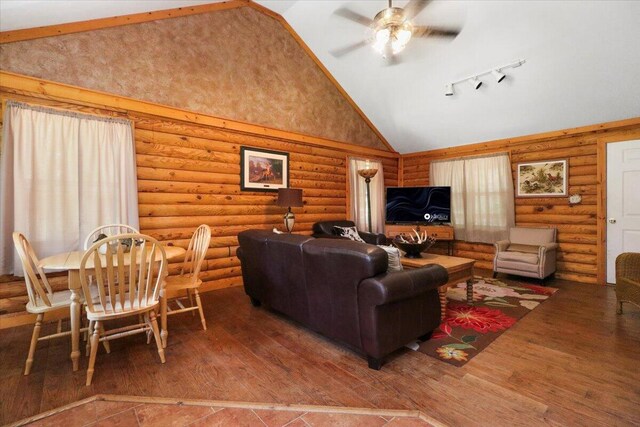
579 228
189 174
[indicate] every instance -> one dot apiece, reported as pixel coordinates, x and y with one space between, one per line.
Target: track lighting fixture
498 75
449 91
475 82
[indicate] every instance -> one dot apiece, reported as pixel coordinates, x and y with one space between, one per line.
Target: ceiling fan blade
426 31
353 16
348 49
414 7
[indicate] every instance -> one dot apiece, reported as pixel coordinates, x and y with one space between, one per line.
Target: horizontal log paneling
189 174
578 229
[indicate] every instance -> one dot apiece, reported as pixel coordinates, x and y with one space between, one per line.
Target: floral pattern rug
469 329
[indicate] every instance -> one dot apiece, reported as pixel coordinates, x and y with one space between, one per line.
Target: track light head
449 91
498 75
475 83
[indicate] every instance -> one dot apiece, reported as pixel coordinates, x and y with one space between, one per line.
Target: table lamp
289 198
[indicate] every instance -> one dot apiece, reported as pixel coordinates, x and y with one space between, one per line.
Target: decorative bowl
413 250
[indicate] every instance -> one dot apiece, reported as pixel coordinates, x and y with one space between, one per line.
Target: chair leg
156 334
147 320
105 343
163 318
495 274
34 343
199 302
95 342
619 310
193 312
89 332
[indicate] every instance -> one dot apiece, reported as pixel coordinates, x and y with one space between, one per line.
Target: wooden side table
459 269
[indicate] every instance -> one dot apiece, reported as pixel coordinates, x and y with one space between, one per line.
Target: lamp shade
290 197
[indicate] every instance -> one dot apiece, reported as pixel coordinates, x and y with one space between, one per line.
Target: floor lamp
367 173
289 198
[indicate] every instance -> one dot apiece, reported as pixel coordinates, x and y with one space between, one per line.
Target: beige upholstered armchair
628 279
529 252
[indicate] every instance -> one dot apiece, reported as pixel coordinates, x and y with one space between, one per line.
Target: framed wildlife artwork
263 170
543 179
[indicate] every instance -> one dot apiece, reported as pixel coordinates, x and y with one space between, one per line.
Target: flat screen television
418 205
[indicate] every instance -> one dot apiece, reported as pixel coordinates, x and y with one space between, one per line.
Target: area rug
469 329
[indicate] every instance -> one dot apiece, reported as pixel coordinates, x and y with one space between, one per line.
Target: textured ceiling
582 64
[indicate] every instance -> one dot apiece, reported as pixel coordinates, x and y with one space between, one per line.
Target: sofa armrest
373 238
391 287
501 245
546 247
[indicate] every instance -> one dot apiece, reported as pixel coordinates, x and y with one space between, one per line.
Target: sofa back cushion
532 236
334 270
273 271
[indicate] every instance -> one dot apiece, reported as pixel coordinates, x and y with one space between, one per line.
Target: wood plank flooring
571 361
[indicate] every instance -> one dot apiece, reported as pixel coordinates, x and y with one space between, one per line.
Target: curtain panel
482 204
62 175
358 196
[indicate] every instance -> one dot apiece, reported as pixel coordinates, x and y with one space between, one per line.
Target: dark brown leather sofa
342 290
324 229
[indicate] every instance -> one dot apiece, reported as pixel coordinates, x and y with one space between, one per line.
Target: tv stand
439 232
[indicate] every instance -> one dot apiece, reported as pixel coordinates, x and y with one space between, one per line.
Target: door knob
612 220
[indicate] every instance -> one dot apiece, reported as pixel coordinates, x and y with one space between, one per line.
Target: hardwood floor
571 361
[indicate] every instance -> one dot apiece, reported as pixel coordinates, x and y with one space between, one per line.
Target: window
63 174
481 196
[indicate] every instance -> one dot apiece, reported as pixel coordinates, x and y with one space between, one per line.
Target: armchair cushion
527 249
527 258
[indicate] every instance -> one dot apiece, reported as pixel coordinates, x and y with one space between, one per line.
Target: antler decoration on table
417 239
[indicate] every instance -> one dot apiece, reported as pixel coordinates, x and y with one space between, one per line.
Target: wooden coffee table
459 269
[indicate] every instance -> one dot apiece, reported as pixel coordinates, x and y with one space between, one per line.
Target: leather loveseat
342 290
324 229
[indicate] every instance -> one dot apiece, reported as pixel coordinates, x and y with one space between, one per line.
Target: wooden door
623 201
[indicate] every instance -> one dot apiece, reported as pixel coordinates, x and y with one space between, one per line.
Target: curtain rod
68 113
472 156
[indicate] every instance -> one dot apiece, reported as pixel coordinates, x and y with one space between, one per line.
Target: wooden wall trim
59 91
114 21
500 144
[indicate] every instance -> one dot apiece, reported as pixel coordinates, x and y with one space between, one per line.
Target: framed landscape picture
263 170
543 179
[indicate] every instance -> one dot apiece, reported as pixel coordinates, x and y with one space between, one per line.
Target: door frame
601 191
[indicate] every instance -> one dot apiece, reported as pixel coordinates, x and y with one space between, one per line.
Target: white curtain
482 196
358 189
62 175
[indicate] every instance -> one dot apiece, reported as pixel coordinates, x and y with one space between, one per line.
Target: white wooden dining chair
108 230
188 280
128 284
42 298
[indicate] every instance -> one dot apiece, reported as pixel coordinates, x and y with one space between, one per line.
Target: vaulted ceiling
582 63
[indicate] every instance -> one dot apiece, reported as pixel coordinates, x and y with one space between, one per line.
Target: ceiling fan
392 29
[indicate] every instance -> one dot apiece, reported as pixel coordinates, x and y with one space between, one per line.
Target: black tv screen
415 205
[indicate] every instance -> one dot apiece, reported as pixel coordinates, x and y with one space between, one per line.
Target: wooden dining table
70 261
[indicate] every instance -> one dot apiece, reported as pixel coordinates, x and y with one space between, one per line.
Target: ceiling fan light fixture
449 90
498 75
475 83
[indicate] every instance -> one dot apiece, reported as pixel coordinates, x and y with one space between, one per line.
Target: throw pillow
394 257
350 233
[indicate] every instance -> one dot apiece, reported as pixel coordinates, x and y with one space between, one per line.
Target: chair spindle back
196 251
109 230
38 289
125 280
